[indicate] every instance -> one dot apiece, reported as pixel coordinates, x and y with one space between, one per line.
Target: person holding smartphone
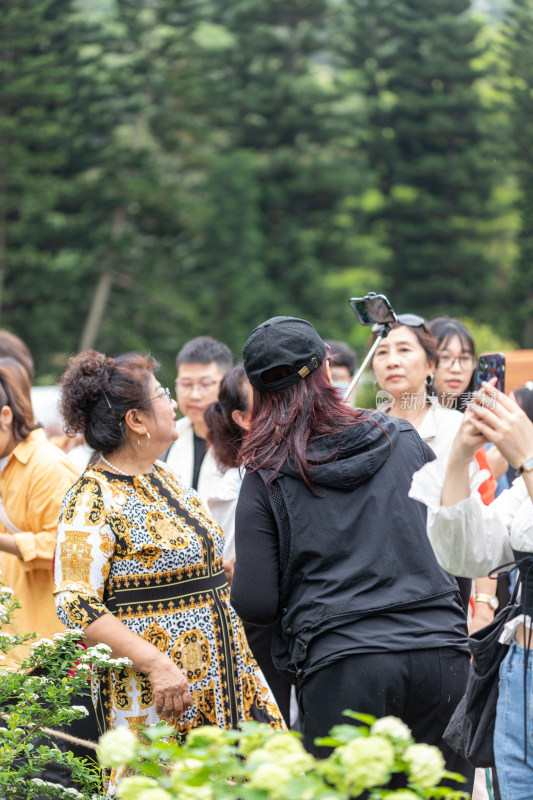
470 538
330 547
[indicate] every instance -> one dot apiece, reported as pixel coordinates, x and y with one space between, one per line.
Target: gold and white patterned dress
145 549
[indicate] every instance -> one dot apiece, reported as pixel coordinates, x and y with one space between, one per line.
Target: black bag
470 731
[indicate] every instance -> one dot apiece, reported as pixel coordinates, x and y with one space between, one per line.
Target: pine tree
426 145
519 37
56 134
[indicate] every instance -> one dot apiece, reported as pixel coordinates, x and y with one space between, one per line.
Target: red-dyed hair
285 422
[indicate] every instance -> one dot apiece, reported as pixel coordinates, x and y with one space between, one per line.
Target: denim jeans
515 775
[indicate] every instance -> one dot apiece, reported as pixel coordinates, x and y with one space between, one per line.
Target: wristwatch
491 599
527 466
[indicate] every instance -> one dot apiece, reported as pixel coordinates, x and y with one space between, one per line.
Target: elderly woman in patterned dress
139 564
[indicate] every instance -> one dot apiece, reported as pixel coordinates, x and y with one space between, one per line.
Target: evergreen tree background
519 40
426 145
170 170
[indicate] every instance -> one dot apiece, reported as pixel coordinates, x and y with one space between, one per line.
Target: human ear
134 420
6 416
241 418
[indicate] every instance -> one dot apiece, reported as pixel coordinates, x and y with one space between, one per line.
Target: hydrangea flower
368 762
211 733
131 787
188 792
392 727
154 794
272 778
425 764
285 750
117 747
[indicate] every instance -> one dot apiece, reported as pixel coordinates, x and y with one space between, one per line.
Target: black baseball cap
282 342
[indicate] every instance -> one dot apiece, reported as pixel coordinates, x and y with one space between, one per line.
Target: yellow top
33 483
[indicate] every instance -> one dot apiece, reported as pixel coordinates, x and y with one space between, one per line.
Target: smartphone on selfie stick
372 309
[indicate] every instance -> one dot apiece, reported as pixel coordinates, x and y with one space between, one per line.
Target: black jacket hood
350 458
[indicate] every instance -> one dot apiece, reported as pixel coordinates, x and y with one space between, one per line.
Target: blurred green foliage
169 170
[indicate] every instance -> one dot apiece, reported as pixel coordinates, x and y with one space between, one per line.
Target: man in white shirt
201 365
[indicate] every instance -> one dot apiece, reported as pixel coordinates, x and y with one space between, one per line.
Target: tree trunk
103 288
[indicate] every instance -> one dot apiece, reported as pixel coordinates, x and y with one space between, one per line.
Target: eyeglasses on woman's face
464 362
162 393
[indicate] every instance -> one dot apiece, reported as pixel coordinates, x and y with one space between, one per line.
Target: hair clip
109 404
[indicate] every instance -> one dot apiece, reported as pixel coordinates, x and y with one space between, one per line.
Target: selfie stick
355 380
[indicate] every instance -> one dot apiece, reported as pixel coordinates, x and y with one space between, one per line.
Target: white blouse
471 539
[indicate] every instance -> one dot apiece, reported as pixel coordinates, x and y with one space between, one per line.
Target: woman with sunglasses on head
329 546
139 563
404 365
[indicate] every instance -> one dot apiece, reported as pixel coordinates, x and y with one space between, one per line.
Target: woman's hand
499 419
467 441
169 685
170 688
456 486
229 566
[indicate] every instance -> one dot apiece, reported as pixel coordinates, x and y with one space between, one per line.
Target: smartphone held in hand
491 365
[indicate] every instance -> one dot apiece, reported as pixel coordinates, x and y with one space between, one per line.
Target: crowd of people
278 554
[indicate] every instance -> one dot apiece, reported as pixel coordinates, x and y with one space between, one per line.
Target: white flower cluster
81 709
42 644
425 763
368 762
277 762
69 790
100 655
122 661
276 765
392 727
139 787
117 747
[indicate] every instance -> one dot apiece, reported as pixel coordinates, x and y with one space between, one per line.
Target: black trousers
421 687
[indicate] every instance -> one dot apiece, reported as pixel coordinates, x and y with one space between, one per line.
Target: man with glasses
201 365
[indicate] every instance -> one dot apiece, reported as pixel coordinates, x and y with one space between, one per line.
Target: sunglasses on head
410 320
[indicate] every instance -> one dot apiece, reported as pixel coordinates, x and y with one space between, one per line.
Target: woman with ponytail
227 421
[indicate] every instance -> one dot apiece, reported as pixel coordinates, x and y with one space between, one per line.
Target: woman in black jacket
329 545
